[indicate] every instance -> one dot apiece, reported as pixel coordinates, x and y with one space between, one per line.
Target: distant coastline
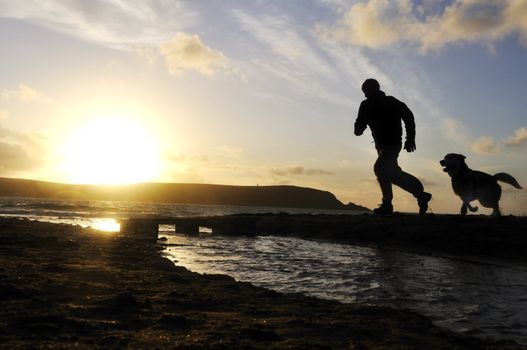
257 196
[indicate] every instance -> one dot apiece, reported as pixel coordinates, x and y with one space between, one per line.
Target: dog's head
453 164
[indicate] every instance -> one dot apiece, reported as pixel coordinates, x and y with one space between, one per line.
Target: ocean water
105 215
472 298
485 300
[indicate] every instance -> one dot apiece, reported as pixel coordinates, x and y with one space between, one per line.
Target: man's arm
360 122
409 125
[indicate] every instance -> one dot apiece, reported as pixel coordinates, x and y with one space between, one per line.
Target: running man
383 114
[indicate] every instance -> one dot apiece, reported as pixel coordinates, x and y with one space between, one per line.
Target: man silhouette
383 114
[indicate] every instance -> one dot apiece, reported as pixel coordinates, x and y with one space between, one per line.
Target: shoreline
67 287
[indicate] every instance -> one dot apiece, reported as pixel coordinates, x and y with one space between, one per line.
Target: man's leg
411 184
407 182
384 168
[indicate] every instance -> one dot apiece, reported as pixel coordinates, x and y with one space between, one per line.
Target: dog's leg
463 210
496 211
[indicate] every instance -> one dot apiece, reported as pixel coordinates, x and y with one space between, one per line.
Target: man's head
370 87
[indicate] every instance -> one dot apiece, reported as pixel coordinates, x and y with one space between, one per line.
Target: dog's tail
508 179
471 208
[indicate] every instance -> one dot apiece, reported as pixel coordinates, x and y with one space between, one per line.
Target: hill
260 196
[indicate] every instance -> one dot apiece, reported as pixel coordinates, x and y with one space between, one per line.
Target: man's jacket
383 115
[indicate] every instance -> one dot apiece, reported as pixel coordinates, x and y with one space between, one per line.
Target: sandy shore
63 287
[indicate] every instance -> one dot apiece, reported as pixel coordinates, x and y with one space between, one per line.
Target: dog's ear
460 156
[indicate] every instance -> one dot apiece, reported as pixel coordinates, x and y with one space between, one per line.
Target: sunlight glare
107 225
111 151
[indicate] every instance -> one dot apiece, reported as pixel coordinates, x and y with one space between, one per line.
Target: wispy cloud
114 23
292 54
519 138
188 52
286 38
381 23
313 66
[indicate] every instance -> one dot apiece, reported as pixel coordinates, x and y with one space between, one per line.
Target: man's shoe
384 209
422 201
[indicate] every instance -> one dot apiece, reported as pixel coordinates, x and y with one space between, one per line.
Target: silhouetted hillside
261 196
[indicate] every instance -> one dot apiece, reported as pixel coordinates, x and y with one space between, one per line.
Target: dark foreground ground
63 287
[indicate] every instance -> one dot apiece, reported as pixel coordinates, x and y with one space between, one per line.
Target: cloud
291 53
19 151
298 170
15 158
113 23
484 145
454 130
23 93
143 27
187 52
518 139
381 23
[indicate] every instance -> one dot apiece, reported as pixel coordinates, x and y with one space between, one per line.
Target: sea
474 298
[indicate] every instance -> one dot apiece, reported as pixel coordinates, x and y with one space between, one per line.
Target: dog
472 185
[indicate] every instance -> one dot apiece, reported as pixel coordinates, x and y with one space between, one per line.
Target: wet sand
63 287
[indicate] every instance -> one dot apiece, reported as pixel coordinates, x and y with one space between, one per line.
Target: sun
111 150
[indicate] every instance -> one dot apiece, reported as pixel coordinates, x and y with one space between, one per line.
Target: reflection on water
109 225
484 300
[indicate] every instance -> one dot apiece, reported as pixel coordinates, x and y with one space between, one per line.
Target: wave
67 206
55 206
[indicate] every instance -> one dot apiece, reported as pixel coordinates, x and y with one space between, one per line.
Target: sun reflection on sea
107 225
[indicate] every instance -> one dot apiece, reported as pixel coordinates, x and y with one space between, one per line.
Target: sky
260 92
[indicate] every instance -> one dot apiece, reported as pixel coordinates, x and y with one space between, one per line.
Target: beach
66 287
